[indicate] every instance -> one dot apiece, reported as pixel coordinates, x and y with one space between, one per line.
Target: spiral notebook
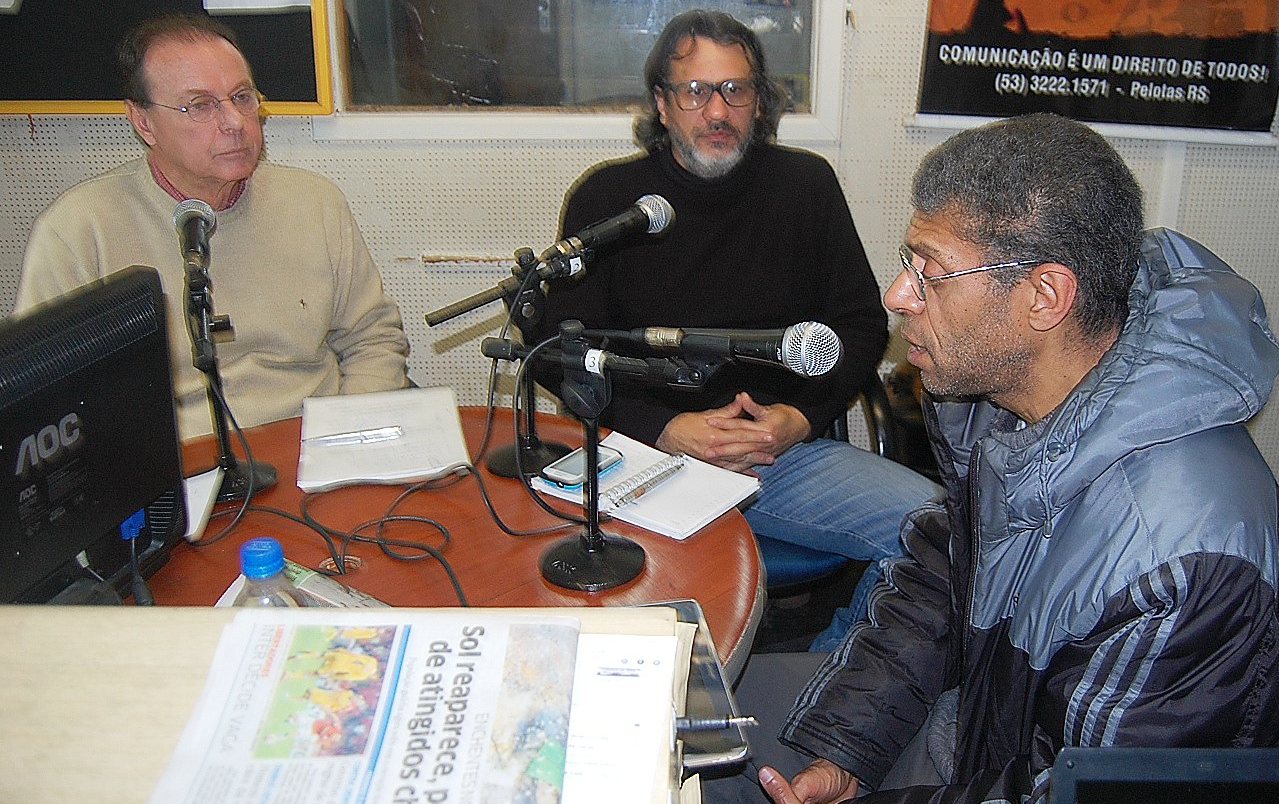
634 486
681 494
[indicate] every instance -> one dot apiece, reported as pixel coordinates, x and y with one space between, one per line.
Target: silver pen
371 436
645 487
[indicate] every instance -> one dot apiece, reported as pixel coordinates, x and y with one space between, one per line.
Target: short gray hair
1043 187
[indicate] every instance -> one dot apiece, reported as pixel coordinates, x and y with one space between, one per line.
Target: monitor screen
1119 775
88 439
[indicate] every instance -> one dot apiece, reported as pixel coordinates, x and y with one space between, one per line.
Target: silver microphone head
195 208
659 210
810 348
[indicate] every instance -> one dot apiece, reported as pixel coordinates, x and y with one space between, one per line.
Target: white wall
479 200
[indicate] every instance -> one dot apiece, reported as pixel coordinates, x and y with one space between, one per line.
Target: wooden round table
718 566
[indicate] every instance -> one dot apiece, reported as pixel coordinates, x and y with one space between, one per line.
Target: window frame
819 126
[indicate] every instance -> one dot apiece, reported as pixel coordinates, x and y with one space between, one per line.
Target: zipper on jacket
974 526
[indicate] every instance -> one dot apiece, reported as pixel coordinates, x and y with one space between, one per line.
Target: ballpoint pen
371 436
645 487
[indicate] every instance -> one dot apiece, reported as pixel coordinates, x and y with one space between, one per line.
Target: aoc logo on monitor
50 445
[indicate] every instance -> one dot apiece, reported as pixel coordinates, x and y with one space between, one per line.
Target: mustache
722 125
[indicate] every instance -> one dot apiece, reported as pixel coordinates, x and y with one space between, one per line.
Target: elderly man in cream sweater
288 263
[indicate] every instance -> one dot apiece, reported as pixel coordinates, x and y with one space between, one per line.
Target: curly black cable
386 544
252 470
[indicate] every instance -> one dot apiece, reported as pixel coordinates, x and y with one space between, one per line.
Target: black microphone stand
238 479
593 560
529 454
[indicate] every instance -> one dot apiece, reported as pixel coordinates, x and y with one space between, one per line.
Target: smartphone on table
571 469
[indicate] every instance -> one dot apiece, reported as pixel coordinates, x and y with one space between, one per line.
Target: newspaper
337 705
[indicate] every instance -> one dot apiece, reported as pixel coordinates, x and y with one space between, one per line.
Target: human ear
141 120
1053 287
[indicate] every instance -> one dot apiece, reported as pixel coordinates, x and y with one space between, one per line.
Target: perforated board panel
478 201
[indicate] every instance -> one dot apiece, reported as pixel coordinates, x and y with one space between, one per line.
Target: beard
979 374
985 360
711 166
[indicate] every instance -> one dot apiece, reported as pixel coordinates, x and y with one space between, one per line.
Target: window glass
576 55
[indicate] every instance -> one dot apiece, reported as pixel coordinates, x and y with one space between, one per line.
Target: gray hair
722 29
1043 187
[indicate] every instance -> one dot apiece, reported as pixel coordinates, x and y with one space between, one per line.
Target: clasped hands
737 436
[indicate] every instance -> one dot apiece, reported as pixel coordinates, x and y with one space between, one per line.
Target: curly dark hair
132 50
1044 187
722 29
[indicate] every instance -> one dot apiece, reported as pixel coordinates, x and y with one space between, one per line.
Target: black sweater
770 245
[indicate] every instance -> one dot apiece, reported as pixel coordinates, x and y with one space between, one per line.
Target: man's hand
822 782
737 448
737 436
785 422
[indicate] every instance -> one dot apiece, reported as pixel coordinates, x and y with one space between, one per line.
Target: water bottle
265 585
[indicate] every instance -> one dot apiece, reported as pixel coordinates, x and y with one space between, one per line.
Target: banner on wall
1189 63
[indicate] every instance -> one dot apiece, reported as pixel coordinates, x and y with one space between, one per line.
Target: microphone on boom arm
523 294
662 371
807 348
651 214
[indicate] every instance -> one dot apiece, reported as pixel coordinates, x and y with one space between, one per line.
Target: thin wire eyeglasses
203 108
918 281
693 95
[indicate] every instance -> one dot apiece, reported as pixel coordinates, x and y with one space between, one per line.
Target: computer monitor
88 439
1123 774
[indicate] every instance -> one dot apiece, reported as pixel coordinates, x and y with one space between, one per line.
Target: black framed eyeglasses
918 282
203 108
693 95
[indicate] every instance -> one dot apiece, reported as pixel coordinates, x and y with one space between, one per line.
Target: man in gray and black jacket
1103 571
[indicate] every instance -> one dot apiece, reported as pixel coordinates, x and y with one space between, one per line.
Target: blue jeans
834 497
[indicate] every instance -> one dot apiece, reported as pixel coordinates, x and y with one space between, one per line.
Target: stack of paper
403 705
680 506
386 437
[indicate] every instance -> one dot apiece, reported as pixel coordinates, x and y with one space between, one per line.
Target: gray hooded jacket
1105 576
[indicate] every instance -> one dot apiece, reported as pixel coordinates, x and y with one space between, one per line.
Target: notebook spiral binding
642 481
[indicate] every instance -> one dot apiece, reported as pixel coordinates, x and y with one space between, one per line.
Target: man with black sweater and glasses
762 238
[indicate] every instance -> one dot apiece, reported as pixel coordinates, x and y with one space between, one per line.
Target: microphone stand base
572 564
534 457
235 480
